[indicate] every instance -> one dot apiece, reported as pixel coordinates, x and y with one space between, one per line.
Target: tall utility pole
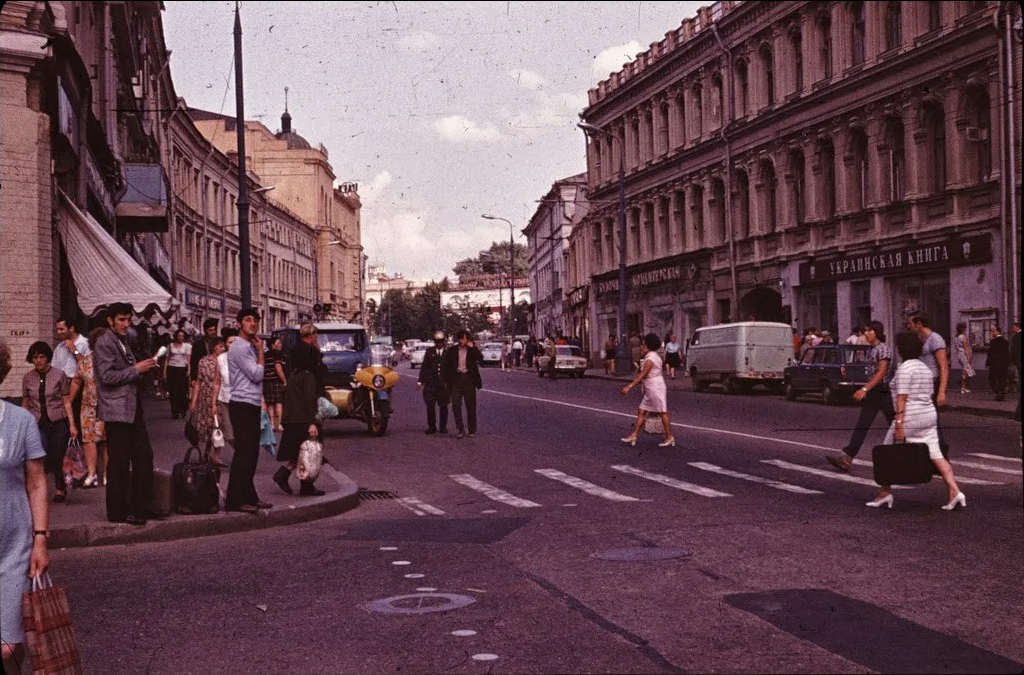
243 185
511 272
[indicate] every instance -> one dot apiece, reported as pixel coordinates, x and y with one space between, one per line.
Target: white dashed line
704 466
985 455
589 488
492 492
671 482
420 508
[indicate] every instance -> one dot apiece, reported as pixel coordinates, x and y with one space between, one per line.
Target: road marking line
704 466
492 492
671 482
986 467
418 507
985 455
589 488
632 416
959 479
825 474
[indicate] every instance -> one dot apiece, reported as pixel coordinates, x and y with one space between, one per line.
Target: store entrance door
928 295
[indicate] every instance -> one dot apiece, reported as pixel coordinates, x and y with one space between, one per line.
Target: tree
494 260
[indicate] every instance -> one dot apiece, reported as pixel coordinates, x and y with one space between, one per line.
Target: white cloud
527 79
462 129
419 40
369 194
611 59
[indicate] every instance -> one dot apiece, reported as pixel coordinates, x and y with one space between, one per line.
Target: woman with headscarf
46 393
299 417
24 515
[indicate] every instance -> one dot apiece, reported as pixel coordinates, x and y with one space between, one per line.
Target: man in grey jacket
119 405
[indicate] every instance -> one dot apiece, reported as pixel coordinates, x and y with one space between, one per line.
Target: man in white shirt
71 347
517 352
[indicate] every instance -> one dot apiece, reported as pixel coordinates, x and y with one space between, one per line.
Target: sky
440 111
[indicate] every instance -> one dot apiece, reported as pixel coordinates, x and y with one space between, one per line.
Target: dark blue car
834 371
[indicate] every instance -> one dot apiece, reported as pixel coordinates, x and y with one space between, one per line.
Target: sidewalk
81 521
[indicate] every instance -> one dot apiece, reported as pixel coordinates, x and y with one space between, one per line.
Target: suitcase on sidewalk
902 464
163 495
195 485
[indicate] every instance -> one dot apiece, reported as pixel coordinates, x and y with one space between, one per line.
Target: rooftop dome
286 133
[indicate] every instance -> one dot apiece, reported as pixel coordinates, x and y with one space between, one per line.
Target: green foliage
493 261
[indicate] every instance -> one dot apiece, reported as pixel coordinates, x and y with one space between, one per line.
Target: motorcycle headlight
359 365
378 381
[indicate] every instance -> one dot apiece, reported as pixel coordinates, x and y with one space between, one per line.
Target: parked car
492 354
834 371
569 360
419 350
739 356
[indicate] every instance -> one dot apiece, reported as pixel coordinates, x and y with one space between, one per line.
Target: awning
104 272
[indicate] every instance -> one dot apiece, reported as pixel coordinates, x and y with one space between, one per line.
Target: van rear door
769 350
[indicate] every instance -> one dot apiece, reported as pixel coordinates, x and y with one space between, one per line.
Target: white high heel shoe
629 440
669 443
959 500
882 501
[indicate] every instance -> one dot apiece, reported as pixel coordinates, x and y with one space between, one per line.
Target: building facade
547 237
817 163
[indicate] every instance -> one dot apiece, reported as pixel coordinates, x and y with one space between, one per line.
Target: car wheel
698 386
829 394
732 385
774 386
791 392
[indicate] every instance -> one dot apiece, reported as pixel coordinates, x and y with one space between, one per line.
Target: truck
739 356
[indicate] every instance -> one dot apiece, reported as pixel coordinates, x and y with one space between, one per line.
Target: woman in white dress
655 397
916 419
962 354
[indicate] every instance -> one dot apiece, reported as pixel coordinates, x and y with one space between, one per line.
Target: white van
740 356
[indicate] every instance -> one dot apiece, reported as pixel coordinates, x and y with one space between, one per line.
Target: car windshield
340 341
568 351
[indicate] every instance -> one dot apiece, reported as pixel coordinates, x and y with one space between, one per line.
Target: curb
180 526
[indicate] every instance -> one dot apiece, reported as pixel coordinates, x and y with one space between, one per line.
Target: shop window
860 304
979 326
927 295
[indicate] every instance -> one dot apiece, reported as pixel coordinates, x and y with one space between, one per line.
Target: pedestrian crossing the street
693 486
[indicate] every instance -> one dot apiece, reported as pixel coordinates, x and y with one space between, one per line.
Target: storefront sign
579 296
919 257
197 299
676 272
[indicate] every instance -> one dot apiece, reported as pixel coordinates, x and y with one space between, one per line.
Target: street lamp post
623 364
511 271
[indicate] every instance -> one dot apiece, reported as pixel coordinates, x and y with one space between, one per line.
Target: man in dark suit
119 405
998 362
435 392
461 373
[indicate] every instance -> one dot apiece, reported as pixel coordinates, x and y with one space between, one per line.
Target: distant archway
762 304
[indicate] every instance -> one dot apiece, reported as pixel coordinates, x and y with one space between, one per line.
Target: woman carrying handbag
204 403
301 399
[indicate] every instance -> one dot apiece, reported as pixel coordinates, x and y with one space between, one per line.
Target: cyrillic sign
919 257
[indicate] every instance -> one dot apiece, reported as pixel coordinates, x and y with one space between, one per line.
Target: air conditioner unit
977 134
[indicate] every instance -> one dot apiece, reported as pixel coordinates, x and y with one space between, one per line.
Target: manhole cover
371 495
642 554
420 603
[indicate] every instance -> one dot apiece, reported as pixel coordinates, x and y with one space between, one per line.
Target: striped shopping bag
49 633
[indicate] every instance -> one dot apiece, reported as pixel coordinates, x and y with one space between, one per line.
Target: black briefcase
902 464
195 485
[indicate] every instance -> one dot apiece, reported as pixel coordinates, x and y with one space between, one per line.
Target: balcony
144 206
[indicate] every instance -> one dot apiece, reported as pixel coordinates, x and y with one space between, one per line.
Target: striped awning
104 272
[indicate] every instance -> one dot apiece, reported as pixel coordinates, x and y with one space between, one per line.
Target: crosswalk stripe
492 492
986 467
671 482
846 478
704 466
959 479
985 455
420 508
589 488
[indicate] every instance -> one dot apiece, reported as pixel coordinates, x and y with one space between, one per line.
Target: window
827 158
680 214
718 114
697 206
767 63
859 150
718 196
744 86
663 129
596 147
796 168
825 45
634 230
635 127
798 60
698 111
666 224
649 132
935 127
897 159
934 16
681 119
893 25
979 132
859 41
742 205
770 184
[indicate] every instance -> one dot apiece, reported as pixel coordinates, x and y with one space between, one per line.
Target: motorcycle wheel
378 423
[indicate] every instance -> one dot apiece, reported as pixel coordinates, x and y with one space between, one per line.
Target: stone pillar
842 25
878 150
673 114
874 15
916 145
957 147
845 183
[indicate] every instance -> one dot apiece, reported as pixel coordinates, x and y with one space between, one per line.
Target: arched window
797 42
861 174
893 25
934 16
799 187
718 197
827 157
768 64
771 198
825 45
742 205
718 114
697 207
935 128
897 159
858 22
743 81
979 114
698 110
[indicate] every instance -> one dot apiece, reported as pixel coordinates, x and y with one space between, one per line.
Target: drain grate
371 495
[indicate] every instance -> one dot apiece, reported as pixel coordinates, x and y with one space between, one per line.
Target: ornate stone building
818 163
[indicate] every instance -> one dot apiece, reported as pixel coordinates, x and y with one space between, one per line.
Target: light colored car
569 360
740 355
419 350
492 354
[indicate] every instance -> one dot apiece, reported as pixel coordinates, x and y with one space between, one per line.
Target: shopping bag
653 425
191 430
194 484
311 457
74 464
267 439
902 464
49 632
325 410
217 436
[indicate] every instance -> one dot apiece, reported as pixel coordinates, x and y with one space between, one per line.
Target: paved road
787 570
